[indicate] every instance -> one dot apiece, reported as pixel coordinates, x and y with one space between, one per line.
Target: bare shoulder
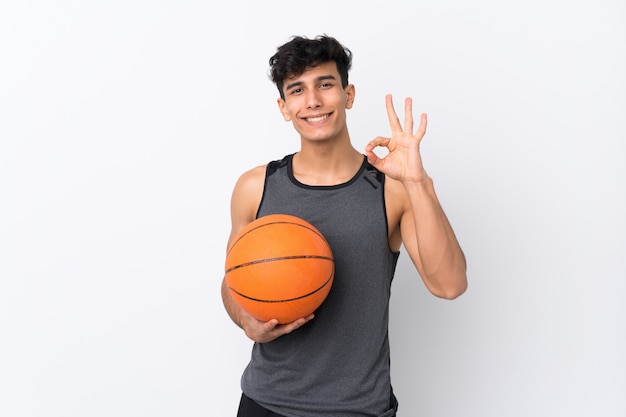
246 198
397 204
396 198
251 180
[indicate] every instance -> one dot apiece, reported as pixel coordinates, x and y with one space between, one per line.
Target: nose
313 100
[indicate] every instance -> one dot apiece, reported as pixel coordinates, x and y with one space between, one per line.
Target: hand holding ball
279 267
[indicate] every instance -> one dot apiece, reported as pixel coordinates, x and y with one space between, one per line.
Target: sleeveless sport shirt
338 363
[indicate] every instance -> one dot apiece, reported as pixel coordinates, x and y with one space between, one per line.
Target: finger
288 328
421 129
379 141
394 122
408 115
270 325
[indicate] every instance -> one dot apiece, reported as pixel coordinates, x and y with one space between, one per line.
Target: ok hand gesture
403 161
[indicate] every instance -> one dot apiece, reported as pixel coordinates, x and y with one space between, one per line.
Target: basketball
279 267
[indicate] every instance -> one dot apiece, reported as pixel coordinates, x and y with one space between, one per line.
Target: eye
326 85
296 91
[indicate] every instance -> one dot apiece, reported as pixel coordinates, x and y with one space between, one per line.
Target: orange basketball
279 267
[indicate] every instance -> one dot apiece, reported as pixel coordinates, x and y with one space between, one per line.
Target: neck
326 166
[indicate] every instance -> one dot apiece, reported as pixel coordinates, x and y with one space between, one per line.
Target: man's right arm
244 204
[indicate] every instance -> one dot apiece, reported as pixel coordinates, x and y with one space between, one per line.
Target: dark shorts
249 408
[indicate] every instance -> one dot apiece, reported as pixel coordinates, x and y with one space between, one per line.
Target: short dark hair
294 57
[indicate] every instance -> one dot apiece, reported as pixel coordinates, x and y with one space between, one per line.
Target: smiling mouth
317 118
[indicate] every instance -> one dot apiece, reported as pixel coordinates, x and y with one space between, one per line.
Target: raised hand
403 161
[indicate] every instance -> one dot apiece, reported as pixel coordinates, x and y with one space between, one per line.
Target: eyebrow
318 79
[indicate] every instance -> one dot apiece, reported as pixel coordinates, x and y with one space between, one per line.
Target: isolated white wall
124 125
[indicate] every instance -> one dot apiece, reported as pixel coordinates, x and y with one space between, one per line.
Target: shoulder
250 184
251 178
255 177
396 198
246 198
397 206
248 191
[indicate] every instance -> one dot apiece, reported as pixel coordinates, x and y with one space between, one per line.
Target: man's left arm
426 232
431 242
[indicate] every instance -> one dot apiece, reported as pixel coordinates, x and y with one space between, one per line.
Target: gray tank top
337 364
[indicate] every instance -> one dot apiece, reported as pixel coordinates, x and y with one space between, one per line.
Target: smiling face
316 103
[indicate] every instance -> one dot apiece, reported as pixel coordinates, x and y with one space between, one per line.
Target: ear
350 94
283 109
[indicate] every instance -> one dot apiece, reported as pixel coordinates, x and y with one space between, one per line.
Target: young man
336 362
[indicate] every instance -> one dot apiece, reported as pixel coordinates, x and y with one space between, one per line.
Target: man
335 362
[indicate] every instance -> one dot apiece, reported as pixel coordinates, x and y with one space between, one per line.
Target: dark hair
300 53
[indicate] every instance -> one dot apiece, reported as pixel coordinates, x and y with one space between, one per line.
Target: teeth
316 119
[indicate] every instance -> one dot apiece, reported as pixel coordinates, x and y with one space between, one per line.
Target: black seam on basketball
280 258
317 232
286 300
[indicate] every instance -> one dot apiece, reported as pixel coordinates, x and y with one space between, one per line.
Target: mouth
317 119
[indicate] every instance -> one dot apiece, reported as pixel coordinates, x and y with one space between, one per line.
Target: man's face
316 103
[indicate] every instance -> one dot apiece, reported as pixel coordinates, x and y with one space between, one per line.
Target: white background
124 125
